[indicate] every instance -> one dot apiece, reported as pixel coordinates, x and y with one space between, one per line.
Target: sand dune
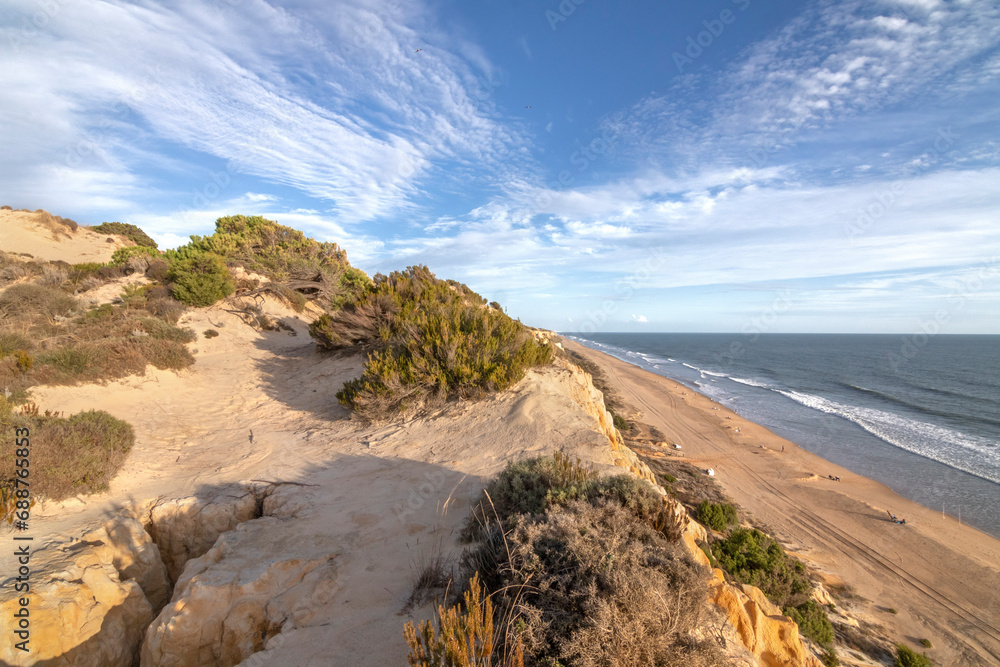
45 237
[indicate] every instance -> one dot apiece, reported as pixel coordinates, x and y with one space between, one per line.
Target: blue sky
729 165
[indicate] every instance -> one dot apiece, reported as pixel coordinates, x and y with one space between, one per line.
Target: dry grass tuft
69 456
463 638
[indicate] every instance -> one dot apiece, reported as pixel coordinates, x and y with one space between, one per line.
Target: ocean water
921 415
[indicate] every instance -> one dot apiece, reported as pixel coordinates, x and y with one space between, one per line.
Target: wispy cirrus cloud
273 91
833 62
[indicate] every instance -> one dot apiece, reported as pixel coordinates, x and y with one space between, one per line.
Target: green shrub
717 516
134 295
201 279
121 256
78 454
211 333
812 621
926 643
433 340
276 251
754 558
129 231
829 658
907 657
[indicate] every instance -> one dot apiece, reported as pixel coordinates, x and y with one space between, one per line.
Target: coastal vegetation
69 455
297 267
717 516
129 231
748 555
577 568
200 278
47 336
429 340
907 657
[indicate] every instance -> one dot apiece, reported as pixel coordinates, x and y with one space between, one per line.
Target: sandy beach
943 578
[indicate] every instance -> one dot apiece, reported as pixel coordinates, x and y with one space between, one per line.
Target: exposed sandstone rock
769 635
764 630
90 608
128 547
264 577
186 528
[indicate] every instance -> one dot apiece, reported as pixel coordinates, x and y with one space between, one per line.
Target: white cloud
270 90
833 62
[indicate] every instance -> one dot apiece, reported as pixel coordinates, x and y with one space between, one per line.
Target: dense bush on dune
577 570
200 279
69 455
129 231
430 339
298 267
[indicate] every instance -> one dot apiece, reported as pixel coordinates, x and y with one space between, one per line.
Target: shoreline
856 464
941 576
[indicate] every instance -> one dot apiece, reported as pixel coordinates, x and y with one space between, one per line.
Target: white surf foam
751 383
972 454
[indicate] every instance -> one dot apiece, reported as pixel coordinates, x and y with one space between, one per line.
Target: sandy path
942 577
193 427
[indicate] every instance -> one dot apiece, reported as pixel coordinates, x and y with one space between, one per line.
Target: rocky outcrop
769 635
93 604
130 549
229 602
100 593
185 528
764 630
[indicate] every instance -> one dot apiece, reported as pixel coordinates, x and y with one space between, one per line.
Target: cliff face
292 573
591 400
770 636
